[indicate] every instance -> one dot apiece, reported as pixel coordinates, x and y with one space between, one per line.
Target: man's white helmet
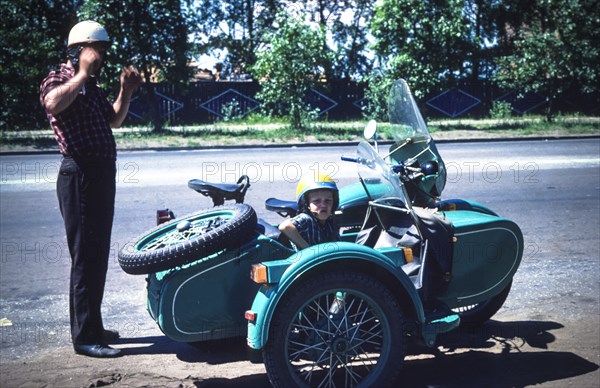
87 32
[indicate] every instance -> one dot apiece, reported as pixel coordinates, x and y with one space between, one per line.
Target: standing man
82 118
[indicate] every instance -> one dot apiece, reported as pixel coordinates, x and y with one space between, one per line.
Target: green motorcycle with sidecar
408 266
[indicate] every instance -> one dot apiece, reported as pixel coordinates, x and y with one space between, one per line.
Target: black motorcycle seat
224 189
267 229
282 207
220 192
272 232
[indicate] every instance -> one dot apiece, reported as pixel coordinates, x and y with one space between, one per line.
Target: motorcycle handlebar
350 159
396 168
405 172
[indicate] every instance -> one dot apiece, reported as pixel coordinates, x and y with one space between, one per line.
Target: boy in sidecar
317 198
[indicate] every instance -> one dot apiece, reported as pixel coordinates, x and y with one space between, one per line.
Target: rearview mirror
370 130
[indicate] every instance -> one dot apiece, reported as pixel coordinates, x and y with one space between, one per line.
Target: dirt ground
506 352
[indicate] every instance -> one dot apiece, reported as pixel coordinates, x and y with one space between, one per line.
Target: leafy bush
501 110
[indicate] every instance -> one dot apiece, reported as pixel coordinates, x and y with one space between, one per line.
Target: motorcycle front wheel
189 238
341 328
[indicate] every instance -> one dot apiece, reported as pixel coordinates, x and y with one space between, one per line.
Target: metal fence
205 102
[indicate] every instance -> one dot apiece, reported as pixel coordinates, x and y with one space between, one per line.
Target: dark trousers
86 195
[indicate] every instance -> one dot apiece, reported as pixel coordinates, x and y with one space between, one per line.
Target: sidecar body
206 299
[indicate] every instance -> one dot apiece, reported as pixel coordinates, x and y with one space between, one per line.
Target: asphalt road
550 188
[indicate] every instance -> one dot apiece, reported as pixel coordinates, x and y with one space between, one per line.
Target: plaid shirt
82 130
312 231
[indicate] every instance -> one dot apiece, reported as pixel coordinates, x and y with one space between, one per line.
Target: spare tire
189 238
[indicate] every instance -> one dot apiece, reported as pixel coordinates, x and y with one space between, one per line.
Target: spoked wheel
189 238
340 329
479 313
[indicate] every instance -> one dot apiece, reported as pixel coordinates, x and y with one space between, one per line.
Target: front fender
300 264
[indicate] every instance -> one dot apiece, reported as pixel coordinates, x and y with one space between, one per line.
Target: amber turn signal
258 274
408 254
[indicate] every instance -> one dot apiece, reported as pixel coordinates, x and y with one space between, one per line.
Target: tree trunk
549 110
155 118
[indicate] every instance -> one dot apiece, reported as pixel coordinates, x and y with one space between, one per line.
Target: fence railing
205 102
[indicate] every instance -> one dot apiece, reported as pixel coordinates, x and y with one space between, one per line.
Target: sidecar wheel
479 313
340 328
189 238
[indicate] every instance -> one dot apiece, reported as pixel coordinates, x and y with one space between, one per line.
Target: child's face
320 204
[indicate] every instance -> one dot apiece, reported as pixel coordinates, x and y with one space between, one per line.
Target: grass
256 132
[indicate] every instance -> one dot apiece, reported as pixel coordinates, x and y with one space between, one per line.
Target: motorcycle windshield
413 143
377 177
406 121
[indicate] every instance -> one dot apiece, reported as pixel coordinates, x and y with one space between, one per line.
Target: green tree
236 27
482 47
289 67
33 36
240 28
553 48
346 25
150 34
422 41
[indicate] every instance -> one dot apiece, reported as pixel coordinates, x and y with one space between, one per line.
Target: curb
313 144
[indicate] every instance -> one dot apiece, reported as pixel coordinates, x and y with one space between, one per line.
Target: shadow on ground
520 356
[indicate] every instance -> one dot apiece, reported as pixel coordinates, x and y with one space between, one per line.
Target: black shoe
98 350
110 335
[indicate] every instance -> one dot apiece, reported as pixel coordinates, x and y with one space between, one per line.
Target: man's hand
130 80
90 60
